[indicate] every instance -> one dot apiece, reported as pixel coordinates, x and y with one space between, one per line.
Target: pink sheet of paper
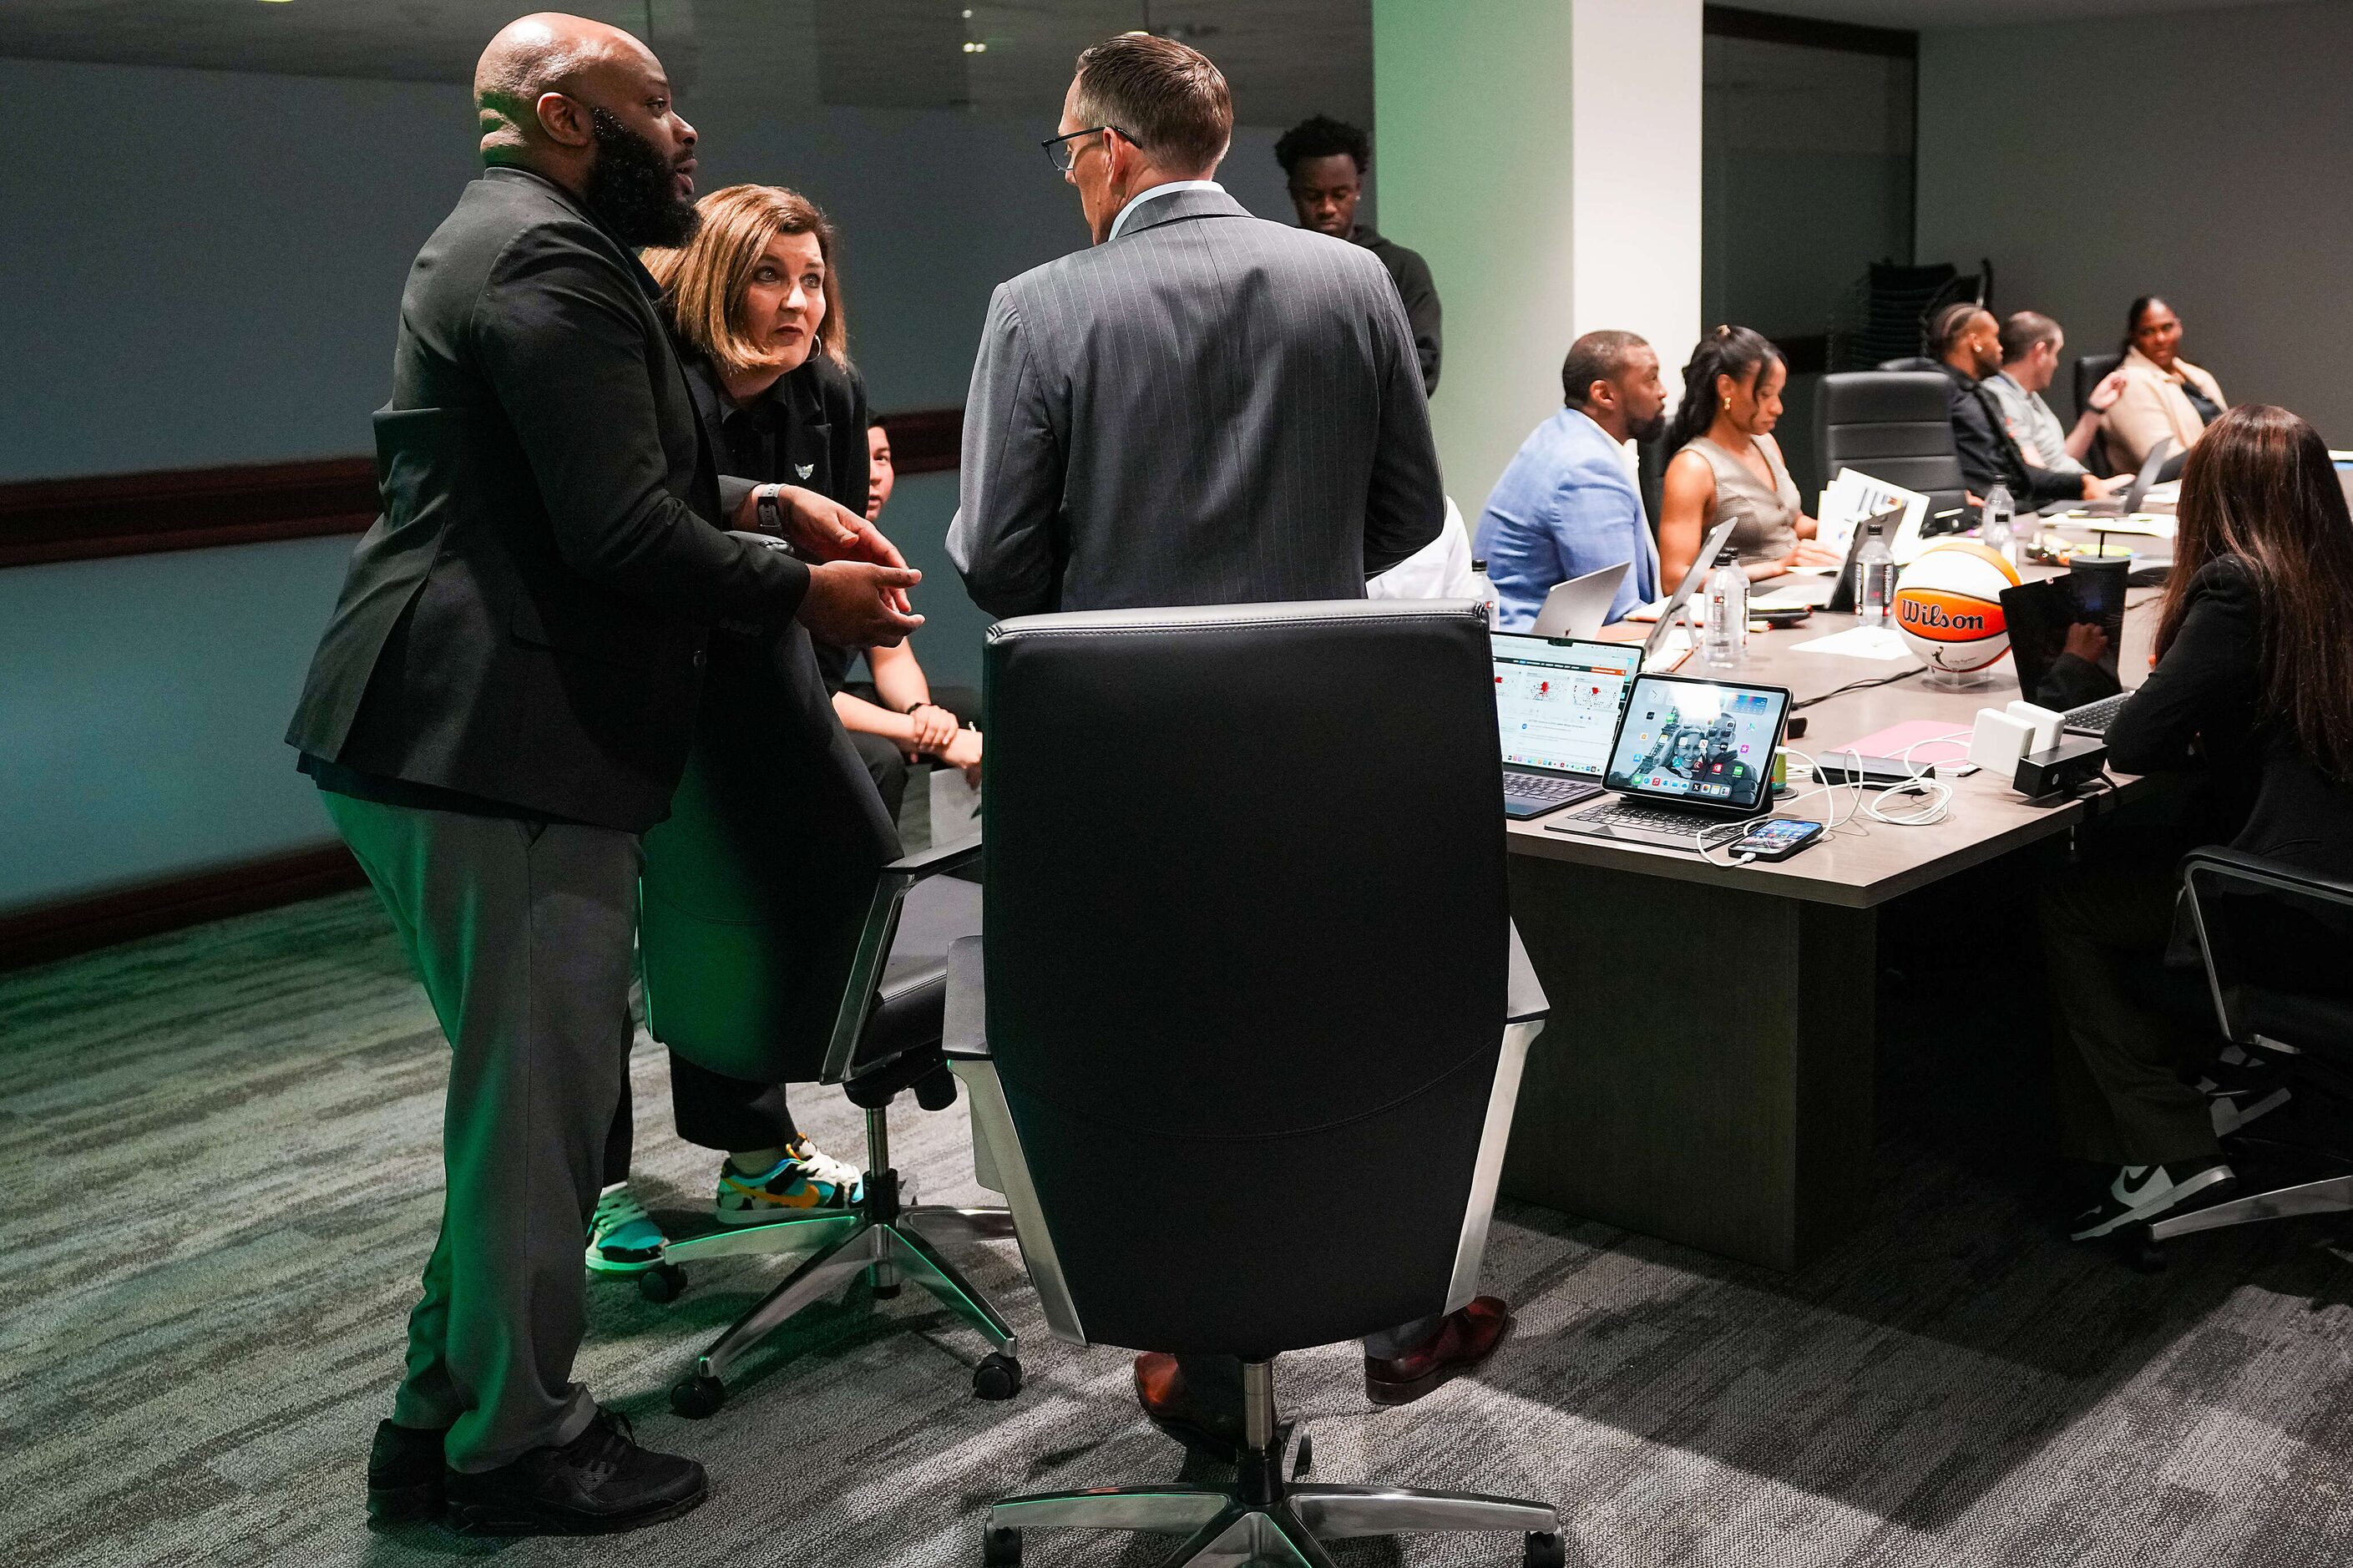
1891 741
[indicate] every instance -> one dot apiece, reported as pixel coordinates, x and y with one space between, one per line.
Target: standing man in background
1568 504
1204 409
1324 160
502 704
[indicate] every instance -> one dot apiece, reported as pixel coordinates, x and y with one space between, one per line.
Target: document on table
1859 642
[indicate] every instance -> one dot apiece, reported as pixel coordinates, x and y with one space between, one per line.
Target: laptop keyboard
2093 718
1656 819
1546 786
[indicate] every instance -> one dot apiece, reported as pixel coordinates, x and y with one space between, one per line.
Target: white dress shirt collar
1170 189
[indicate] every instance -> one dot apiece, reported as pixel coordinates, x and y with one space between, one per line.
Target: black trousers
709 1108
2127 1028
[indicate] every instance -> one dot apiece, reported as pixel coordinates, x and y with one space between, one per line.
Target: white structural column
1543 156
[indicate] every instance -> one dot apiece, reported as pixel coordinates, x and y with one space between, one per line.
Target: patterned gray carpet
217 1151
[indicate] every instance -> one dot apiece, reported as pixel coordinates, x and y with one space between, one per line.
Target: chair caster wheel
664 1282
1544 1549
1001 1548
999 1376
697 1397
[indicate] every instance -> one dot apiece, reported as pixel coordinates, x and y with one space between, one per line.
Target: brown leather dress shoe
1160 1389
1463 1341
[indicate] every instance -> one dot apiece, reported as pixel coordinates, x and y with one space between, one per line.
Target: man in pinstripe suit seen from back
1205 408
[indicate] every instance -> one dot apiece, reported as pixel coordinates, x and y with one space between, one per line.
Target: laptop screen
1557 699
1705 741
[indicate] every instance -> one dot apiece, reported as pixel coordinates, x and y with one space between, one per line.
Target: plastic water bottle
1728 612
1875 579
1996 530
1483 588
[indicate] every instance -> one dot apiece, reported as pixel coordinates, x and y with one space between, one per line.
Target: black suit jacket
756 887
2208 688
525 623
1988 456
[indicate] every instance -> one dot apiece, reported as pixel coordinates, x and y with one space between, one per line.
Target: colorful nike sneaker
806 1179
622 1238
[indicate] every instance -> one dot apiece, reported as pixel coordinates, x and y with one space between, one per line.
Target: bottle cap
1478 563
1726 556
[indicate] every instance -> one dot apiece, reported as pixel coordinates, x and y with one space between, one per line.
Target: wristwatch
765 507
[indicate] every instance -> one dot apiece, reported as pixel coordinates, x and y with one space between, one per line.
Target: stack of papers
1859 642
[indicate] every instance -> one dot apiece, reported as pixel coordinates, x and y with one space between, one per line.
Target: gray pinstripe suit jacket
1210 410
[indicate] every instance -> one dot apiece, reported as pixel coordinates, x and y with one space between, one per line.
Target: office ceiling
1285 58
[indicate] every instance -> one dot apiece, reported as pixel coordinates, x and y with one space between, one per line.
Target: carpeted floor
218 1152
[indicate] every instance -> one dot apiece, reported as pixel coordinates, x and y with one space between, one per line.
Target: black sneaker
2144 1192
599 1483
404 1475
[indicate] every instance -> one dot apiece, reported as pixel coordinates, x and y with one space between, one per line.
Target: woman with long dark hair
2252 691
1726 464
2164 395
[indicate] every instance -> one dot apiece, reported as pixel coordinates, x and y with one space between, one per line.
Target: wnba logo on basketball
1948 605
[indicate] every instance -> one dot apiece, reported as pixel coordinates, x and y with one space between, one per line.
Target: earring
1728 406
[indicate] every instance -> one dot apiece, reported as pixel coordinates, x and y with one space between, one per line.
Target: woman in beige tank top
1728 467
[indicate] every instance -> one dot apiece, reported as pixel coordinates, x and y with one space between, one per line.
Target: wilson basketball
1948 605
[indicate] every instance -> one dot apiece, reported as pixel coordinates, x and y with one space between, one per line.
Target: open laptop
2038 616
1656 649
1692 763
1556 706
2152 469
1577 608
1835 593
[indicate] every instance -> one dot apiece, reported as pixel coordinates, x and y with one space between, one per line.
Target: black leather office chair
2238 905
1224 994
2089 369
1892 426
772 948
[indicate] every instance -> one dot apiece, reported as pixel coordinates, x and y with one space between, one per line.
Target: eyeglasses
1062 150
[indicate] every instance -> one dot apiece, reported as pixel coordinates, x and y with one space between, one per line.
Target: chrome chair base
874 1237
1222 1530
2332 1195
1262 1518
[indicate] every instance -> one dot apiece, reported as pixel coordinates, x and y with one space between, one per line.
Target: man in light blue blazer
1568 504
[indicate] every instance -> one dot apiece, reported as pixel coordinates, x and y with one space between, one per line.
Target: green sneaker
622 1238
804 1181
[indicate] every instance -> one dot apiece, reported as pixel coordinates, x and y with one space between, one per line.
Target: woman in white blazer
2164 394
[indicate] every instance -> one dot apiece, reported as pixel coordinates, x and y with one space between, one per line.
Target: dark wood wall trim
67 926
926 440
43 520
1772 27
183 508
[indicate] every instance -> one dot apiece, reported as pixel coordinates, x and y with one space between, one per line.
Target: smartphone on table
1775 838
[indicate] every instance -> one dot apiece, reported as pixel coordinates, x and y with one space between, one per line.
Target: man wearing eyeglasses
1203 407
1324 162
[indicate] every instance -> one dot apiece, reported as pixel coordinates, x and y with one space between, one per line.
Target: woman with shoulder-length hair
1726 466
2252 692
2164 395
754 882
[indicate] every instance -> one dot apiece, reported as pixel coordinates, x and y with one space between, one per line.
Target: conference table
1708 1074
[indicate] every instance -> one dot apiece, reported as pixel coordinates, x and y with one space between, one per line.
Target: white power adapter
1998 740
2046 723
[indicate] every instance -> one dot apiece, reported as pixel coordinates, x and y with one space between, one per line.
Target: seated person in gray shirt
2030 345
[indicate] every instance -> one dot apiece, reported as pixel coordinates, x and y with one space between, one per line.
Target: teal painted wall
209 272
142 703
